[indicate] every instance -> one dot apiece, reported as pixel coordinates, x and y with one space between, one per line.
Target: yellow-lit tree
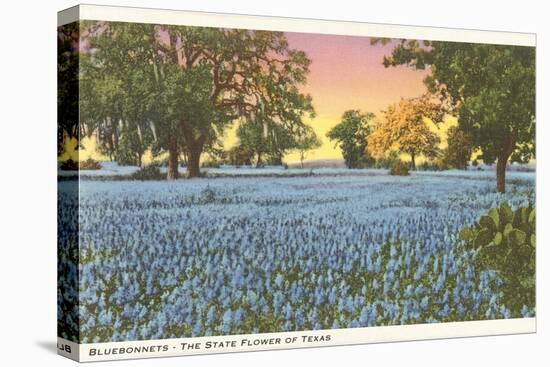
403 129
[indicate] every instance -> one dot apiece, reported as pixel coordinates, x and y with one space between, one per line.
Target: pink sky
347 73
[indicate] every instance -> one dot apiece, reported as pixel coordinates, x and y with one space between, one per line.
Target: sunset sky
347 73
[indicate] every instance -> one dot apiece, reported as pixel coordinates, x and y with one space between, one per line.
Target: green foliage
399 168
351 136
90 164
505 242
211 163
491 88
132 145
159 162
150 172
437 164
459 149
207 196
117 90
274 159
177 88
265 139
240 155
68 56
386 161
69 165
498 104
305 141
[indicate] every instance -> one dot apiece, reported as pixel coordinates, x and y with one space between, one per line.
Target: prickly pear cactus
505 241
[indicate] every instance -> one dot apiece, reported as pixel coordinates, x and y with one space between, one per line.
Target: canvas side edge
68 15
68 349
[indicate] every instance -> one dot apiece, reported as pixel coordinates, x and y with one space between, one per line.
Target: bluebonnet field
261 254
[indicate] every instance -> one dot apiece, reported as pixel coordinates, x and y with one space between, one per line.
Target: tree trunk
502 161
115 138
110 147
173 154
193 162
413 163
139 159
278 159
501 173
184 157
259 161
195 145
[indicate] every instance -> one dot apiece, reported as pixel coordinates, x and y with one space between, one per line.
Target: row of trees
260 145
177 89
263 139
404 128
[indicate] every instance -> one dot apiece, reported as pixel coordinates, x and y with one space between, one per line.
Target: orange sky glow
346 72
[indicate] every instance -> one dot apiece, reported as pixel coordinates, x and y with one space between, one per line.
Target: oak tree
404 129
351 136
459 148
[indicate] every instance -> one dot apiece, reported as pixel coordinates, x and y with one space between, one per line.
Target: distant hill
339 163
320 163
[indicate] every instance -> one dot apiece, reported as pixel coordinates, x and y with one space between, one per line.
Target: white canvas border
367 335
205 19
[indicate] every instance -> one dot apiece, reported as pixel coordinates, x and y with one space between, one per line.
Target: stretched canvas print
235 183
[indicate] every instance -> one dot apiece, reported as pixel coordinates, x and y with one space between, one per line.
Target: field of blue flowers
261 254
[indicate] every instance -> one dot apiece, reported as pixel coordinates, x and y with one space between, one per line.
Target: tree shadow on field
48 345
